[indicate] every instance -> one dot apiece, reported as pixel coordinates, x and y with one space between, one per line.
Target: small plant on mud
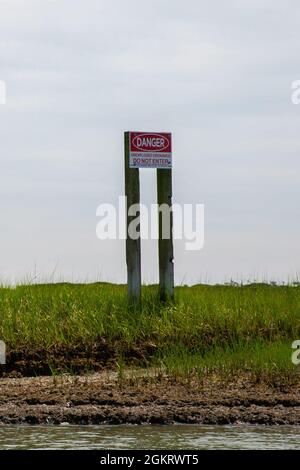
120 371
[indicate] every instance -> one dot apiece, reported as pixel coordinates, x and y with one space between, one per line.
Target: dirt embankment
77 359
102 399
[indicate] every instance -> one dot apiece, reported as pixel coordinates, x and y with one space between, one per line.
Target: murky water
150 437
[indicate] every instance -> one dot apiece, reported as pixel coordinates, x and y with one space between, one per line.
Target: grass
261 361
223 328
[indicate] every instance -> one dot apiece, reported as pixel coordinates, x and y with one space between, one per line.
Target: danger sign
150 150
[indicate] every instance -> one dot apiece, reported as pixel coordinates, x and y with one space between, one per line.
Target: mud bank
102 399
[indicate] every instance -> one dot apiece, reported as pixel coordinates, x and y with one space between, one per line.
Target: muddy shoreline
101 398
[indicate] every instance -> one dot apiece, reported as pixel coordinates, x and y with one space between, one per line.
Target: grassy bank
221 329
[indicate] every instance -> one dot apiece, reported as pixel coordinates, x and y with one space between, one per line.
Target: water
189 437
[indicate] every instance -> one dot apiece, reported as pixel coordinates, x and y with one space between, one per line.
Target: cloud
217 75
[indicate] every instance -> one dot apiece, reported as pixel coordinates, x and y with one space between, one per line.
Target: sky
216 74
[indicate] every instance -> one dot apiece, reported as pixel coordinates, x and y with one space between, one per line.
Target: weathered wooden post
165 230
133 245
149 150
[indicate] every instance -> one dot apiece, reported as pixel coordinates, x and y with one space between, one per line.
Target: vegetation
221 328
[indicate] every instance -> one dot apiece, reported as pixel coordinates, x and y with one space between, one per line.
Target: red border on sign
154 142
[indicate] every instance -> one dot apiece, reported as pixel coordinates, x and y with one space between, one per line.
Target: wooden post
165 245
133 247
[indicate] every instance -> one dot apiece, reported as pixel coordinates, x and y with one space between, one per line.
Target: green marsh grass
219 328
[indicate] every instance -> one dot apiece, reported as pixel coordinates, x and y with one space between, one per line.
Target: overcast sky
217 74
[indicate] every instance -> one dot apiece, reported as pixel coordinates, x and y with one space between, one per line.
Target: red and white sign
150 150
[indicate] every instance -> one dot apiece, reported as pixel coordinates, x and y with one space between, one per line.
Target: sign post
150 150
133 246
165 231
